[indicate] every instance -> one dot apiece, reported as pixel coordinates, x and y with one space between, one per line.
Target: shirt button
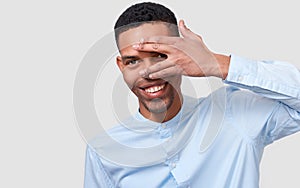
173 165
164 126
240 78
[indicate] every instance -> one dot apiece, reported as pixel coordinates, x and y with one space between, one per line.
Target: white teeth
155 89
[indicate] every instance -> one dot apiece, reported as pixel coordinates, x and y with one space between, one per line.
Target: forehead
134 35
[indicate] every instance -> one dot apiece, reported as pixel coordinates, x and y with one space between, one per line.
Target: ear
120 63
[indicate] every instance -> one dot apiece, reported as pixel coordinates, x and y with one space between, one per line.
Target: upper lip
151 84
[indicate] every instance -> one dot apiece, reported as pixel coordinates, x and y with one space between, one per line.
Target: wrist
223 65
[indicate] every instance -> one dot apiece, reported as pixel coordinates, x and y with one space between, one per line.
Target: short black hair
141 13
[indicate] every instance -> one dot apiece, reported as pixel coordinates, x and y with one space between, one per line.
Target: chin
158 105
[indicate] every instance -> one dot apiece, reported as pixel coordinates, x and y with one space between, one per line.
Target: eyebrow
136 57
129 57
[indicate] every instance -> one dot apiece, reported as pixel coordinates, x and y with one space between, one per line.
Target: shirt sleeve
95 174
278 86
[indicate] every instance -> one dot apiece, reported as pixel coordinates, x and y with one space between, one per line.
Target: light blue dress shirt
260 105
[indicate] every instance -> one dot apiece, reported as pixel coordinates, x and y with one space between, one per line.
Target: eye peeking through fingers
158 57
133 61
162 55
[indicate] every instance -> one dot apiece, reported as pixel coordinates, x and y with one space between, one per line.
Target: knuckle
199 37
179 41
155 46
177 59
158 66
178 69
163 73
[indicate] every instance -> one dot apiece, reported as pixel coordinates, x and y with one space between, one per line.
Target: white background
43 42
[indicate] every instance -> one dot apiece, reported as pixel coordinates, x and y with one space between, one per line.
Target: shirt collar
170 123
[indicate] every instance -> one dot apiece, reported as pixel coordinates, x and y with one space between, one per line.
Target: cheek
131 77
176 81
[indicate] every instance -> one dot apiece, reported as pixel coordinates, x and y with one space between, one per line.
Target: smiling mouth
154 89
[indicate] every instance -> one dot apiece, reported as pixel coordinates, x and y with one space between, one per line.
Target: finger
156 68
186 32
169 40
154 47
168 72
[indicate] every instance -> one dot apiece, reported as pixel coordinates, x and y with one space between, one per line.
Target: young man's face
155 96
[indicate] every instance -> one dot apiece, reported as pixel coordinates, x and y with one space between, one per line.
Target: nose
149 61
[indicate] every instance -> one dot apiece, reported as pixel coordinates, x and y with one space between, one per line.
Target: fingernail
135 46
185 26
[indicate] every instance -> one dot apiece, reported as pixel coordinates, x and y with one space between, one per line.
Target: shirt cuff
264 76
241 71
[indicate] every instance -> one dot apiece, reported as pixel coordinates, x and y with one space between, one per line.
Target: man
212 142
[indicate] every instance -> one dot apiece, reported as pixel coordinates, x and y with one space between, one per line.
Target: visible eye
159 57
132 62
164 56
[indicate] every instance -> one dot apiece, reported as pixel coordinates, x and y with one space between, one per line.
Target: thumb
186 32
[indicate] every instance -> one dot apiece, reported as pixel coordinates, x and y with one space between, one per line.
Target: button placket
164 131
172 163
